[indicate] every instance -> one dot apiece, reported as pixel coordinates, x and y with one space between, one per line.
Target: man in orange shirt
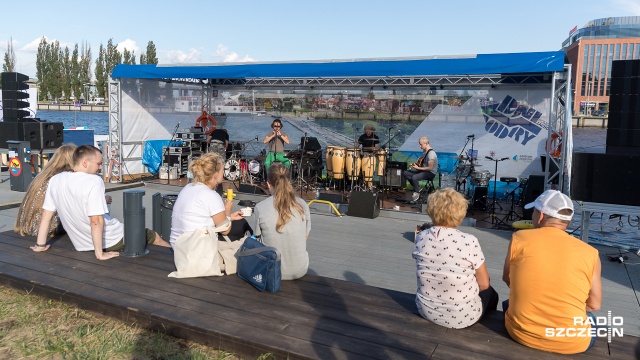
554 281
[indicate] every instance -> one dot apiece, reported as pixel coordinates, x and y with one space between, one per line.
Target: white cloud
179 56
128 44
222 52
32 47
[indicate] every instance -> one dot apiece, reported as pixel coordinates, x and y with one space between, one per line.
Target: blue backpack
259 265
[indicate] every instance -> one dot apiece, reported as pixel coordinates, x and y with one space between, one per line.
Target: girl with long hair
284 221
30 212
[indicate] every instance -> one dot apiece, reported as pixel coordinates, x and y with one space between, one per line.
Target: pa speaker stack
611 178
14 97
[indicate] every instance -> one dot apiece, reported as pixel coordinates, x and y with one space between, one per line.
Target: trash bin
135 240
166 209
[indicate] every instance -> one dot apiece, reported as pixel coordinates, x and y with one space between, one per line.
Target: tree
85 64
41 67
101 73
112 57
151 56
65 69
9 58
129 57
143 58
76 85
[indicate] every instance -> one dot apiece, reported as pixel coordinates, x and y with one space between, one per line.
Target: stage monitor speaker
334 198
606 178
312 144
251 189
533 189
363 204
394 175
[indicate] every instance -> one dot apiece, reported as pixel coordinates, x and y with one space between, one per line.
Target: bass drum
232 170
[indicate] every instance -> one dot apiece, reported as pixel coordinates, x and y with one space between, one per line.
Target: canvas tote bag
195 253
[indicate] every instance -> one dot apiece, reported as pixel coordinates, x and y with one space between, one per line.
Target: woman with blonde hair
454 288
198 204
284 221
30 212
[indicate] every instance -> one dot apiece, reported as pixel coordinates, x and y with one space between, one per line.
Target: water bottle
317 194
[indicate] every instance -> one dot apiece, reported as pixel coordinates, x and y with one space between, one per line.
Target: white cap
552 201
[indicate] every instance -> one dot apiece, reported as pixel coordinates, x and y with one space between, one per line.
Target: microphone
471 136
503 159
488 157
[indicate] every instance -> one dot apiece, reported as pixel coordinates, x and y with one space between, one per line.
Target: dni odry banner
509 125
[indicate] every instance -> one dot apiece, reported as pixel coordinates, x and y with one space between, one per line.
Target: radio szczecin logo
601 326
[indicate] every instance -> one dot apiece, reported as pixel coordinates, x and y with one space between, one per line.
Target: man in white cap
554 281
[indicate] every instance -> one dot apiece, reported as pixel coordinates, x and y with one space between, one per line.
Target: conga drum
352 163
328 156
381 155
337 162
368 168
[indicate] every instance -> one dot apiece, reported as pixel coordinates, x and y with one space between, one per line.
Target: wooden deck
314 317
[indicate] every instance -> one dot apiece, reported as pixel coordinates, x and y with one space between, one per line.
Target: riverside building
591 50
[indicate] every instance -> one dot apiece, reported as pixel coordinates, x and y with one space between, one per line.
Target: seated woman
198 204
453 283
30 212
284 221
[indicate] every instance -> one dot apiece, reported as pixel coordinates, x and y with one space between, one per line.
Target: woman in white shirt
198 204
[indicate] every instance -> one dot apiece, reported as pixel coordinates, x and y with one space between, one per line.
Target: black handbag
259 265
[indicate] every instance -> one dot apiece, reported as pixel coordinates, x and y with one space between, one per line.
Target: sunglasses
277 126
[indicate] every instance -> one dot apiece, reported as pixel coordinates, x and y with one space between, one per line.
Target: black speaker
250 189
312 144
533 189
13 95
606 178
363 204
334 198
394 175
479 199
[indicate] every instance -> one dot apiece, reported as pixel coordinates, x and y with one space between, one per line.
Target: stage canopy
142 97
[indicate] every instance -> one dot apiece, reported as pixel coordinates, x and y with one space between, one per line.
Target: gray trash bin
166 209
135 240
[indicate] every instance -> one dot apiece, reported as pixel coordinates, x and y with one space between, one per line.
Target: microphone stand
301 182
166 151
494 219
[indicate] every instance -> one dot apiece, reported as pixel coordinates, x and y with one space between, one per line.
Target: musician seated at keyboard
425 168
369 140
276 140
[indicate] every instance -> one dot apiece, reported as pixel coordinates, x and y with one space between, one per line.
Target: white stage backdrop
509 123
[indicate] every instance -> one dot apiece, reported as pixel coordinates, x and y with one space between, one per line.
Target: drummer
276 140
369 140
218 141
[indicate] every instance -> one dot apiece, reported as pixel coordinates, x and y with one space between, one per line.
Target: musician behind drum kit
425 168
218 141
276 140
369 140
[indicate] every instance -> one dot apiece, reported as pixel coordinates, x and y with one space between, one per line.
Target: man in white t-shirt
78 197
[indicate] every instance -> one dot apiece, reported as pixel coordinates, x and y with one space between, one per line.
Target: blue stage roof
480 64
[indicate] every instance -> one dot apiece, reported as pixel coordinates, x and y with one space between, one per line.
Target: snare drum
328 160
352 163
481 178
337 161
463 170
232 170
381 155
368 168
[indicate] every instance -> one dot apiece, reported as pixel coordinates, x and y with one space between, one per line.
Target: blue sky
191 31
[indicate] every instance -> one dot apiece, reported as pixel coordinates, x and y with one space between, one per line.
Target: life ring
555 146
232 170
206 122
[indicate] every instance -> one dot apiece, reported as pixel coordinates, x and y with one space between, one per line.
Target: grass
32 327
